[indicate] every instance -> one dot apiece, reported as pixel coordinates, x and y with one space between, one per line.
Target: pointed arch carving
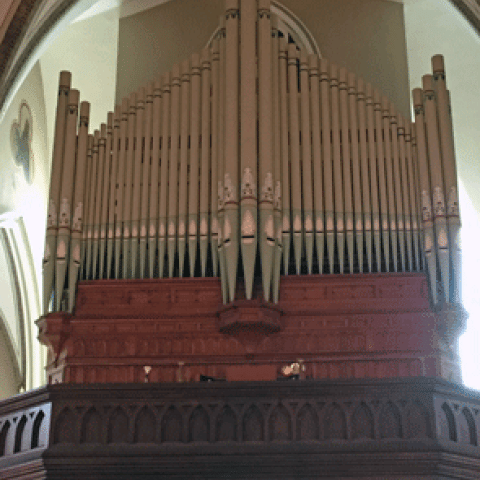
253 429
65 427
447 423
19 434
199 427
172 425
118 426
362 422
91 429
307 423
37 430
417 422
466 428
3 437
226 427
335 423
145 426
390 421
280 424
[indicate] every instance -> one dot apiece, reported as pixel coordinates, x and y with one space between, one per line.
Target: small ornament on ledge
147 369
295 370
180 378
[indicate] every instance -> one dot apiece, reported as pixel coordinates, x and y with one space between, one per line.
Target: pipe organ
252 160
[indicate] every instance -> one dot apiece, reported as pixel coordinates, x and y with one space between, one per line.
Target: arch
37 428
226 427
417 423
19 434
280 424
390 421
362 422
199 425
291 27
447 423
466 428
334 423
253 430
307 423
172 425
145 426
65 427
91 431
118 426
3 437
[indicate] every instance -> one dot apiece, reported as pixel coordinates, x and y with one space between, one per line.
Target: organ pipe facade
250 160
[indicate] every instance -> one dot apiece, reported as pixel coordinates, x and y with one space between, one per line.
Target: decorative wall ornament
52 214
230 194
249 189
453 209
220 195
20 141
278 196
267 189
426 207
64 220
438 201
77 217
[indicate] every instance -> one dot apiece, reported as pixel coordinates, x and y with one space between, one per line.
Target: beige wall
8 382
23 215
365 36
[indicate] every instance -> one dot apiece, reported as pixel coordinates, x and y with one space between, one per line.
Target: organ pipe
231 160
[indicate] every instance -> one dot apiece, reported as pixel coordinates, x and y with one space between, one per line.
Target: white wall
434 27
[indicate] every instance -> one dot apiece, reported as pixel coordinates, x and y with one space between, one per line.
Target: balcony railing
405 427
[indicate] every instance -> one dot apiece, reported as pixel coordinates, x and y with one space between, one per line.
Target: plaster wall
8 382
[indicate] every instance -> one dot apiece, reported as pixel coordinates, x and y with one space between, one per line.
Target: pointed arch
390 421
91 430
172 425
65 427
307 423
19 434
280 424
335 423
145 426
362 422
226 428
199 426
447 423
118 426
37 430
3 437
466 428
253 430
